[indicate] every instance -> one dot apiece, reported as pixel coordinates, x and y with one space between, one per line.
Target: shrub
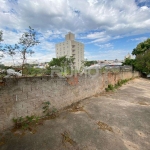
110 86
118 84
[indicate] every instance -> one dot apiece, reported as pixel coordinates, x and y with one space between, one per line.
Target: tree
89 63
142 62
129 61
1 36
11 51
63 62
8 49
27 41
142 53
1 39
142 47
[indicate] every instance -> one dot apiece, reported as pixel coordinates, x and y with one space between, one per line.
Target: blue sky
109 29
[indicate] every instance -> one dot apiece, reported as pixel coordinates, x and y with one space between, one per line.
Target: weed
46 108
117 85
102 70
53 113
25 123
109 88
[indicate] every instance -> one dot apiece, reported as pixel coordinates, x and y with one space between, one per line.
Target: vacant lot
118 120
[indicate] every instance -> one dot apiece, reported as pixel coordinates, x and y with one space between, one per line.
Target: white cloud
99 21
11 37
105 46
108 54
144 8
37 57
70 15
141 39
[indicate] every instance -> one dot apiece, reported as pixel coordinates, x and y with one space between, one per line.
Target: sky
109 29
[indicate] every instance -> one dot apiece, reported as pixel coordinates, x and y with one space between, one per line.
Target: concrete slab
117 120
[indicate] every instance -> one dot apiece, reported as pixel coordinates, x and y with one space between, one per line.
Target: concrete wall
24 96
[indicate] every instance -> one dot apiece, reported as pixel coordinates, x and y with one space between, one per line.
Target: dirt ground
118 120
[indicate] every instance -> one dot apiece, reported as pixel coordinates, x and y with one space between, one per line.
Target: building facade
69 48
127 56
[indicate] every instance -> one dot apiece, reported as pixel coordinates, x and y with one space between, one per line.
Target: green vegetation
61 62
26 123
2 74
65 63
27 40
102 70
142 59
1 39
89 63
46 108
47 112
129 61
31 71
3 66
142 62
117 85
110 88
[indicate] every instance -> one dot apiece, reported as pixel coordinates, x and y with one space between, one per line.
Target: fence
24 96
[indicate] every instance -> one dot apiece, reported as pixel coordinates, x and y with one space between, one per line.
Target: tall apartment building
70 47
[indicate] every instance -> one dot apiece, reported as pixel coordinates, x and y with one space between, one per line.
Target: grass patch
110 88
28 122
117 85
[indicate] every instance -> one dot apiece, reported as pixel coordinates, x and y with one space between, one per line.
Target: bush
119 83
110 86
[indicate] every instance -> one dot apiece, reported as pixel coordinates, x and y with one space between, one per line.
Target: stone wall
24 96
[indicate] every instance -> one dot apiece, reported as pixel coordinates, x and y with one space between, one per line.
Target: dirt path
117 120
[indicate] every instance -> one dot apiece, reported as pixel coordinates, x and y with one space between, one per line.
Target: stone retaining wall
24 96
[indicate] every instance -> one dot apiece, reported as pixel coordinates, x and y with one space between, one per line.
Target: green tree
1 39
141 48
142 62
11 51
64 62
89 63
129 61
27 41
142 53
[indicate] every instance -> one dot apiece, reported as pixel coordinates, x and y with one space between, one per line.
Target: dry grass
66 139
104 126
